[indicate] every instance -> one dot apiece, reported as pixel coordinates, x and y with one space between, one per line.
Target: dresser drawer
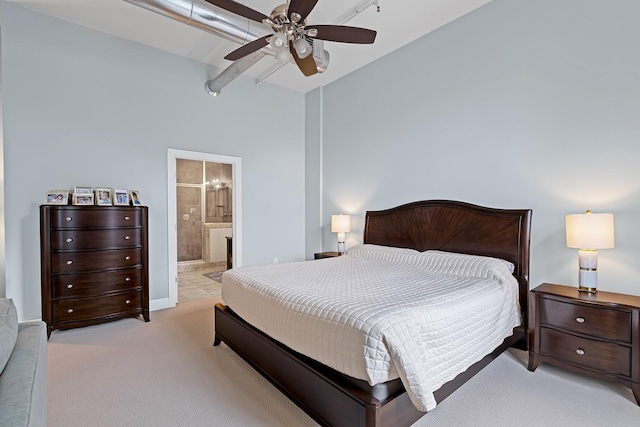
602 356
92 308
95 239
94 218
95 284
71 262
595 321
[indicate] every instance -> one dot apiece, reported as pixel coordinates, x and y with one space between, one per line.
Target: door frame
236 207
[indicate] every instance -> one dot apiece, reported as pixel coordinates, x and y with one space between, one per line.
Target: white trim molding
236 168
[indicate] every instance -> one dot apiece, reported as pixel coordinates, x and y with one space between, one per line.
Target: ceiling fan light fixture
283 56
279 42
302 47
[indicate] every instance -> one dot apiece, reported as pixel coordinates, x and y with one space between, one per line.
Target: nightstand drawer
599 355
594 321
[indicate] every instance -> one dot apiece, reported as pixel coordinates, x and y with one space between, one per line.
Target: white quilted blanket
377 312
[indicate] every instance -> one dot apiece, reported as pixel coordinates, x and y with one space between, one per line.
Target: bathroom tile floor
192 285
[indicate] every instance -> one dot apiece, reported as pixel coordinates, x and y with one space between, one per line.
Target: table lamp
589 232
341 224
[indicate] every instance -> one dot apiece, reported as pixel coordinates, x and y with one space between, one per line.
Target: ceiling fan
291 32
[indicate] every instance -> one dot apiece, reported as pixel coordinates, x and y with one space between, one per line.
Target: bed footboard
331 398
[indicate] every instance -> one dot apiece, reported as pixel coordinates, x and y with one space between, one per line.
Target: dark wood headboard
457 227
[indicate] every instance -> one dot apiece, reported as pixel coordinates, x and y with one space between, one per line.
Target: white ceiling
398 23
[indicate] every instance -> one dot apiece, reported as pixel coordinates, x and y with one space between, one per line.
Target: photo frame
57 197
120 197
83 199
136 200
104 196
82 190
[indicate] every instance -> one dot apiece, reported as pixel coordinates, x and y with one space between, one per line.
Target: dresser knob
127 257
70 310
68 218
127 279
580 351
580 319
128 301
126 218
69 240
69 262
69 286
126 237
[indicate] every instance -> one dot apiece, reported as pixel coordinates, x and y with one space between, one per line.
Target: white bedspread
377 313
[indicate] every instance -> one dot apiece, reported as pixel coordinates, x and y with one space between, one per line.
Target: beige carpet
167 373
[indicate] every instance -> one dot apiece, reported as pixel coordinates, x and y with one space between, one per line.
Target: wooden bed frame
334 399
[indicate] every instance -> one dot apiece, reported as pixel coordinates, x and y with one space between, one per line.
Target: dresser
94 264
592 334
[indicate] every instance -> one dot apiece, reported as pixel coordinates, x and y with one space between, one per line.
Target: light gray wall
313 169
85 108
2 250
519 104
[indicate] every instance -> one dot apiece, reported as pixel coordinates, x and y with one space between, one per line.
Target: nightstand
321 255
592 334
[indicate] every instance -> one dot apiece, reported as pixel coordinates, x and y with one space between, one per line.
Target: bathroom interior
204 230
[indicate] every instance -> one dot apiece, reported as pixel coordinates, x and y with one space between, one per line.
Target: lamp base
587 289
588 279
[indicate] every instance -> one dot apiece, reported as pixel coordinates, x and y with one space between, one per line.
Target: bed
333 398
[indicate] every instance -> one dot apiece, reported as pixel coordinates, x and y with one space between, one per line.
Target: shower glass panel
189 223
189 209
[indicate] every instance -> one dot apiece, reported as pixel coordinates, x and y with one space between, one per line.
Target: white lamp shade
590 231
340 223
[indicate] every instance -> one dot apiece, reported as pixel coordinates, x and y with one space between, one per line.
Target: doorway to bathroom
204 229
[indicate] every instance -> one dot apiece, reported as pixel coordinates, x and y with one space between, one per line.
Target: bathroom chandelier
216 184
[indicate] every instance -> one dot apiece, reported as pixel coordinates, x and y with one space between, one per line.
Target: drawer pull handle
69 262
69 286
126 218
68 218
127 257
69 240
127 279
126 237
70 310
580 319
128 301
580 351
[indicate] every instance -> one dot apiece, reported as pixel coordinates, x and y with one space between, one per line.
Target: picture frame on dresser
57 197
103 196
120 197
135 198
82 190
83 199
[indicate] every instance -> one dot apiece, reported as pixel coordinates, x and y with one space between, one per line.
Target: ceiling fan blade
307 65
248 48
239 9
343 34
301 7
